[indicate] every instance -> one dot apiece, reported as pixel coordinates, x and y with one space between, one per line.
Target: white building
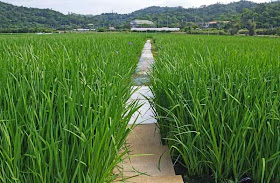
141 23
83 30
163 29
112 28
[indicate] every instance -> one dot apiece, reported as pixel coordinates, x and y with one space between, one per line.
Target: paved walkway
144 65
154 163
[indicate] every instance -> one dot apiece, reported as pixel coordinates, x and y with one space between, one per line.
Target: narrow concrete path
149 157
145 114
144 66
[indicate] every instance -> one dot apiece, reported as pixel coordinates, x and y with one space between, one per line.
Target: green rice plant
218 104
63 112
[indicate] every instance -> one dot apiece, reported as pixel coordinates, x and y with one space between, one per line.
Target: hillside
265 15
177 16
15 16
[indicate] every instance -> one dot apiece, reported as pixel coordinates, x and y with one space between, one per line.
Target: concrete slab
141 80
140 91
144 68
150 160
155 179
146 61
144 115
148 45
145 135
147 54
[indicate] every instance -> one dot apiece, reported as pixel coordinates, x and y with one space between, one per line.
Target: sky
95 7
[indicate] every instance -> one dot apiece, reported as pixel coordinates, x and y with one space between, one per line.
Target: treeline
26 30
242 14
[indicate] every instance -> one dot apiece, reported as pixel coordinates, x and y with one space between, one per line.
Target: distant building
41 33
163 29
83 30
112 28
141 23
215 24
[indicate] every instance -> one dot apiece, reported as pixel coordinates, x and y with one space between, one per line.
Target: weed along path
149 157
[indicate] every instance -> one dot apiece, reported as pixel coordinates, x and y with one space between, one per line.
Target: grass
63 113
218 100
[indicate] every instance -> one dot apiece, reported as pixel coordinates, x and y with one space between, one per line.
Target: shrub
243 31
266 31
101 29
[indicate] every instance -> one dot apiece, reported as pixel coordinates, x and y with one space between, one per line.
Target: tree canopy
264 15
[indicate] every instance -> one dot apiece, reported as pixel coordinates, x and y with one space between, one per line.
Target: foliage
243 31
233 28
278 31
217 100
268 31
208 32
266 15
101 29
251 26
21 17
26 30
187 29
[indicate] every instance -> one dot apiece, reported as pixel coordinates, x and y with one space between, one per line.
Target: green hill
265 15
15 16
177 16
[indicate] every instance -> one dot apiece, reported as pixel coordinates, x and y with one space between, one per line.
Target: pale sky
105 6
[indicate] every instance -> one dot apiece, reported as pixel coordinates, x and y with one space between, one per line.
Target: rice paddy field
218 105
63 112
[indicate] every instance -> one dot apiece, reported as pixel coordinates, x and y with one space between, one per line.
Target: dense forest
264 15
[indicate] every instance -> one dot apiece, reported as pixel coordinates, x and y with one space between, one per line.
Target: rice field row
64 116
218 105
63 113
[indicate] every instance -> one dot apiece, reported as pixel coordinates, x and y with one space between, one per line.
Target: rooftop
216 22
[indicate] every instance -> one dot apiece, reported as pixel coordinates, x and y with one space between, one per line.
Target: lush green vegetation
218 102
63 112
21 19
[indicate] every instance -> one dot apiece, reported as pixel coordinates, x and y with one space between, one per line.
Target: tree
187 29
233 28
278 31
251 26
